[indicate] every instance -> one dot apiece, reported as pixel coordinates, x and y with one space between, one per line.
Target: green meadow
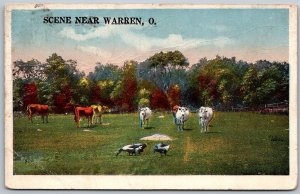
238 143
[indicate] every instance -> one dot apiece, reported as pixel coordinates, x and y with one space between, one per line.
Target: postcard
151 96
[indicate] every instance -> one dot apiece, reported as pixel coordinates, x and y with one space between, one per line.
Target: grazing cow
181 117
162 148
144 116
39 109
205 117
83 111
98 110
135 149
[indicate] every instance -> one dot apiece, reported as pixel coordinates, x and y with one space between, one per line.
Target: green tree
249 87
61 74
129 86
28 71
163 65
143 98
219 82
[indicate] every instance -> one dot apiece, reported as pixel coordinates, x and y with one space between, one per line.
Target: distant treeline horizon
160 82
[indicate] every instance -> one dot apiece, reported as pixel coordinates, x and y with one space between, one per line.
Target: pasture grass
237 144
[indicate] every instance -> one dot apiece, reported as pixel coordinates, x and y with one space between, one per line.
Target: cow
205 117
135 149
181 117
40 109
162 148
83 111
98 110
144 116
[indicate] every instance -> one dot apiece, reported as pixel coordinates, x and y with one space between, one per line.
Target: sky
247 34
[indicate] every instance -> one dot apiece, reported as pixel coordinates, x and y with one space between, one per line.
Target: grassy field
237 144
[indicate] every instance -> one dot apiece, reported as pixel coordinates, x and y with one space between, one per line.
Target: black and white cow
162 148
135 149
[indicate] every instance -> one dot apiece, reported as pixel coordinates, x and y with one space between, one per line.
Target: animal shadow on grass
86 127
212 132
187 129
149 127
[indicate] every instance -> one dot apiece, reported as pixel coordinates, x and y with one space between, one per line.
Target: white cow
205 116
181 117
144 116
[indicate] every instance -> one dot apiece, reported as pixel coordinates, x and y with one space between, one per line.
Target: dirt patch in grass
157 137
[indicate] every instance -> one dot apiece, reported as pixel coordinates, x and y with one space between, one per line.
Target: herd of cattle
94 115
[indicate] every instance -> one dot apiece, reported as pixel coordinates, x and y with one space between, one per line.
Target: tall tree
129 86
105 72
249 87
60 74
162 66
28 71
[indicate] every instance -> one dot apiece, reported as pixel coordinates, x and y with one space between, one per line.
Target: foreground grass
237 144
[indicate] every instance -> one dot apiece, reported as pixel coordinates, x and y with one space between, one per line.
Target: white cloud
141 42
101 53
222 41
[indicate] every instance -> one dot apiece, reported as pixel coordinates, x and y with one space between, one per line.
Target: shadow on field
149 127
212 132
188 129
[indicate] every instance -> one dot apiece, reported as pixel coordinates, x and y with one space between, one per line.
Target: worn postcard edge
151 182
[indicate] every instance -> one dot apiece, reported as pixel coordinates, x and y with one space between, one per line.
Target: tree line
160 82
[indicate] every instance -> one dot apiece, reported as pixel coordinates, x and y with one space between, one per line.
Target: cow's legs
89 121
30 118
30 115
43 118
93 119
201 127
100 119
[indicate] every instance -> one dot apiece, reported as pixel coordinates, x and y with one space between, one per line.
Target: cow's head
106 109
175 108
203 112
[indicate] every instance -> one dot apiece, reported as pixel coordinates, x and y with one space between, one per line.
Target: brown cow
39 109
98 112
83 111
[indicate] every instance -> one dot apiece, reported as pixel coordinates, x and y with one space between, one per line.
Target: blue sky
248 34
